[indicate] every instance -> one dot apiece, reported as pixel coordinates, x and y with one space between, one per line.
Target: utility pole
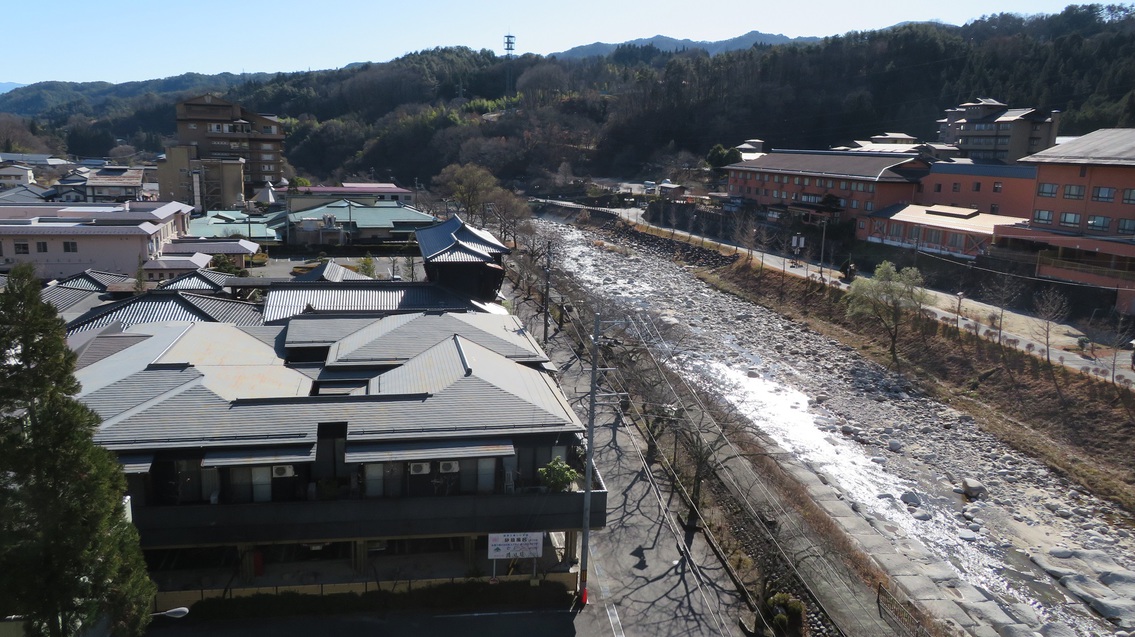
547 285
823 240
589 469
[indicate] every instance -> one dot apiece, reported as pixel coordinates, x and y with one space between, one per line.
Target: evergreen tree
68 556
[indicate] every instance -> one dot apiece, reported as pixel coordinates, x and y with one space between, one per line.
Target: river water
745 362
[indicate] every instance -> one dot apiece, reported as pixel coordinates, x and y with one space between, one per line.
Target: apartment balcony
1079 272
359 518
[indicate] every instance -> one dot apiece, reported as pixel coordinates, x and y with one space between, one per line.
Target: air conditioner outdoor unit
283 471
449 466
419 468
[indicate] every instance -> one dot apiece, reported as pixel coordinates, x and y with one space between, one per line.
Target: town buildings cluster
313 433
996 182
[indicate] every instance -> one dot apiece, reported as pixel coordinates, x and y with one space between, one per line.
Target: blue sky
125 40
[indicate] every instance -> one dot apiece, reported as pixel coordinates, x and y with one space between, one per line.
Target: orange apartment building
818 185
1082 226
992 188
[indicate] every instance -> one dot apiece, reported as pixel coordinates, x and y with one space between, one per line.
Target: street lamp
173 613
823 240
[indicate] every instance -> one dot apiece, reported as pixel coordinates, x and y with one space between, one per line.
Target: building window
1046 190
896 231
1129 195
1126 226
1103 193
869 206
1070 219
955 240
1042 216
192 125
843 185
937 187
1072 191
215 128
70 246
957 187
807 181
996 186
854 204
22 248
913 233
994 208
41 246
796 181
1098 223
977 186
933 236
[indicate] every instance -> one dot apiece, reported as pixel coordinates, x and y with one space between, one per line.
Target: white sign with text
507 546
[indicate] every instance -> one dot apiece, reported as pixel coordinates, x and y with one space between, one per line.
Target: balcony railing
1074 266
334 520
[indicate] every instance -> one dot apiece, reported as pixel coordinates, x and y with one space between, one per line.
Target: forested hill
641 108
664 43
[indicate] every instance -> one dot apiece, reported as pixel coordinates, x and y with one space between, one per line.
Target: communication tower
509 49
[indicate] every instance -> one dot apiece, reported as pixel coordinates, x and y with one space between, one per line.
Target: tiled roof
317 330
456 234
381 297
106 345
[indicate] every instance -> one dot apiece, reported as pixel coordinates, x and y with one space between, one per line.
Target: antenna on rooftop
509 49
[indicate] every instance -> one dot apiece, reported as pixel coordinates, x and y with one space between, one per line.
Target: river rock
911 498
894 445
973 488
967 535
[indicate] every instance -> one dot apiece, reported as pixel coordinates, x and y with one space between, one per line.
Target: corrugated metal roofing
438 450
836 164
200 279
317 330
458 362
983 170
401 337
291 299
259 456
106 345
333 272
63 297
138 389
1109 146
198 418
160 305
136 462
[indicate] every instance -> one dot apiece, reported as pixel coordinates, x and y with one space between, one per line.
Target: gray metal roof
200 279
64 297
438 239
882 167
187 246
291 299
160 305
138 389
259 456
106 345
435 450
318 330
462 366
136 462
1108 146
398 338
198 418
331 271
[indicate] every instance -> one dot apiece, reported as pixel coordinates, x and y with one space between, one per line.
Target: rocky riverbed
1024 550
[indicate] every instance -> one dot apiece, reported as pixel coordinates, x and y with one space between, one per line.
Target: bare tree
1002 291
1052 308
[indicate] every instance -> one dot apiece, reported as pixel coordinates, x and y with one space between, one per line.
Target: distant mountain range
665 43
7 86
